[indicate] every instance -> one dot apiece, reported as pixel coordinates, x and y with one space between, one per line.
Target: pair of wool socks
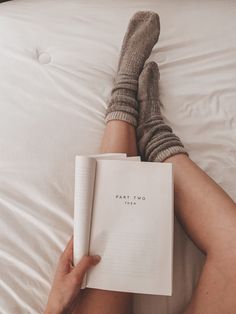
141 36
135 97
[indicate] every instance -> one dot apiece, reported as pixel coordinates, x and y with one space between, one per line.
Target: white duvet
57 64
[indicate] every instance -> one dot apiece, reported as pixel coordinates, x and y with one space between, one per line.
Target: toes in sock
142 34
156 140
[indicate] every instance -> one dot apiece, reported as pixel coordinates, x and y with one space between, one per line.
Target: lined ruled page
85 170
132 227
85 173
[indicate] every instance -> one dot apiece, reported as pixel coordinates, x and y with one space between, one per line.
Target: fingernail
96 258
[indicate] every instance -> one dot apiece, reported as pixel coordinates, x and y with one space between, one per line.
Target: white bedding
57 64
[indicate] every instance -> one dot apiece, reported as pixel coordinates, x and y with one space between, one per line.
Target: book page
115 156
85 170
132 227
112 156
134 158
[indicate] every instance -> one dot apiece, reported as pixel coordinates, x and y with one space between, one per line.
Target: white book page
85 170
115 156
85 173
134 158
109 156
132 227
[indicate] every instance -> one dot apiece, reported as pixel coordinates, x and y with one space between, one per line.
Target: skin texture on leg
119 137
209 216
207 213
215 292
95 301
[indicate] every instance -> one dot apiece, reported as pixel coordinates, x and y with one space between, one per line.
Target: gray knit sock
156 140
141 35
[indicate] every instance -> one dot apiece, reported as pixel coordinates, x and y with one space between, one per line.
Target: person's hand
67 281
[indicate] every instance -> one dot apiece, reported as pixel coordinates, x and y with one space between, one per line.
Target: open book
124 213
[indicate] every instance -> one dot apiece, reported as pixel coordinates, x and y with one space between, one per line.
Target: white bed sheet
57 64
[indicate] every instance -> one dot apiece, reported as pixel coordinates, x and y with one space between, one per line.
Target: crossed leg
119 137
207 213
209 216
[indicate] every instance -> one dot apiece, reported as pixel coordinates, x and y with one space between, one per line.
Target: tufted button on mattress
44 57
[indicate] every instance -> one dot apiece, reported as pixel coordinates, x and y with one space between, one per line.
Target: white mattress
57 64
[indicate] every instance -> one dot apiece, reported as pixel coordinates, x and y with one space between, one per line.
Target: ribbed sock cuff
123 116
168 152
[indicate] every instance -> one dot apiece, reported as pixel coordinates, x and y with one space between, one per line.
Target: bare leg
209 216
119 137
205 210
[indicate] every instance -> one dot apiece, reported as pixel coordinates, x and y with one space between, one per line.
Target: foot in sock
156 140
141 36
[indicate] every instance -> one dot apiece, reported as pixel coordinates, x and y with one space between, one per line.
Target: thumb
83 266
64 264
